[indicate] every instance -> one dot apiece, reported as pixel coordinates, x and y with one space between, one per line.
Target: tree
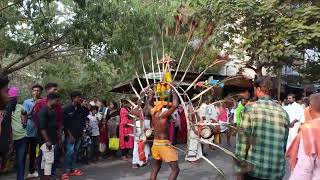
271 33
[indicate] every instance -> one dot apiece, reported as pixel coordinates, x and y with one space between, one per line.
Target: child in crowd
85 144
103 136
94 124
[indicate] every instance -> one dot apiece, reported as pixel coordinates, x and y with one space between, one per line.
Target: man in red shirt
50 88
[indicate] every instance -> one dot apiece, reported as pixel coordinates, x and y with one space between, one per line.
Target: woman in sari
113 120
125 131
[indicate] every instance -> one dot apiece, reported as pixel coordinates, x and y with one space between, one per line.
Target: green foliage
272 33
95 44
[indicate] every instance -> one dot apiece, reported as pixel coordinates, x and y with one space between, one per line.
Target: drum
206 132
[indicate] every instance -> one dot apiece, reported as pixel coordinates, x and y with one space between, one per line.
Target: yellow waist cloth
162 151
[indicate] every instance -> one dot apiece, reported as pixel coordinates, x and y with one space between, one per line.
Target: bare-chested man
161 149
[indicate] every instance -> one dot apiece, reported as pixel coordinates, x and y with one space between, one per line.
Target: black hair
94 108
74 94
104 102
306 101
292 95
53 96
4 81
115 104
37 86
265 85
50 85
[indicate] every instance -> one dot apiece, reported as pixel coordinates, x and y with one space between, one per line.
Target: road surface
121 170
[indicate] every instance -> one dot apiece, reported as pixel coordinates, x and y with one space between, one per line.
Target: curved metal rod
200 94
188 127
205 70
135 91
158 64
206 159
144 70
217 85
142 89
152 65
192 29
221 148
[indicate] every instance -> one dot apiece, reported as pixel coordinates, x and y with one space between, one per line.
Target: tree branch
30 53
13 4
27 63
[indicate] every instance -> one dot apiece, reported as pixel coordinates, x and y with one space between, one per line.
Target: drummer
209 114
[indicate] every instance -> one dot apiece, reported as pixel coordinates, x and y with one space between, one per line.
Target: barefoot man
162 151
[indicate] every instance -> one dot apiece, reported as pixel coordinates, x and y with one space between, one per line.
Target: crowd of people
84 130
51 135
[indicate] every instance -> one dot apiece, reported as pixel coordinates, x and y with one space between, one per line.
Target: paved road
121 170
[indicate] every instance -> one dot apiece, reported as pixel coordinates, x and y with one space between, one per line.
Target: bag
102 147
114 144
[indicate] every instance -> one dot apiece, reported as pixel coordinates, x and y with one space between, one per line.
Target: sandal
65 177
76 172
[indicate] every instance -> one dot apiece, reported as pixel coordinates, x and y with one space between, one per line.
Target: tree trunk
279 83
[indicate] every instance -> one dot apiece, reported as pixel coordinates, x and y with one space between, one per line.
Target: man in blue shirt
28 106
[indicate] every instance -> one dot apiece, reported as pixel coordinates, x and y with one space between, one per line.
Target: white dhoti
138 132
194 150
135 158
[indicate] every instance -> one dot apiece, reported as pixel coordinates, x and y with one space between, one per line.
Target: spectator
74 123
126 141
242 103
6 142
263 135
85 149
103 110
296 115
208 113
95 101
4 98
19 139
31 130
304 152
141 148
51 88
113 120
306 102
223 120
47 130
94 124
103 138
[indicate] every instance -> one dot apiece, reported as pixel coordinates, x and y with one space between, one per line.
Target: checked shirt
262 139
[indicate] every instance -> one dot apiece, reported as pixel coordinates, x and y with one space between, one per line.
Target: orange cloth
142 155
159 105
308 114
162 151
310 133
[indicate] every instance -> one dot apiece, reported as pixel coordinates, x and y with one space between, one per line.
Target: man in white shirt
94 118
208 114
296 115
